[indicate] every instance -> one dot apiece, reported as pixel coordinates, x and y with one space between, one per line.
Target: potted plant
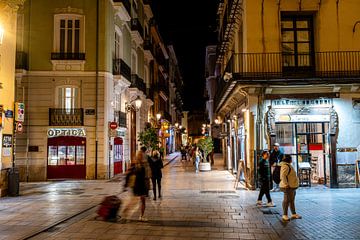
206 145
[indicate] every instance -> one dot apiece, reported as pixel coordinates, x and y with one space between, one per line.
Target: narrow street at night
194 206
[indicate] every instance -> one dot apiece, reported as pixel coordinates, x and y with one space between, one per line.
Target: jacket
288 177
156 165
264 170
276 157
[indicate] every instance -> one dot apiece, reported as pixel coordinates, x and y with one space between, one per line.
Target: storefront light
2 33
244 110
138 102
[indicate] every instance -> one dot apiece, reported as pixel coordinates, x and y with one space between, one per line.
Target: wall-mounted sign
33 148
302 118
7 141
19 127
90 111
9 114
19 112
66 132
113 125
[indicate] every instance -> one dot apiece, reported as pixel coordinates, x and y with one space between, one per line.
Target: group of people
194 153
146 167
270 163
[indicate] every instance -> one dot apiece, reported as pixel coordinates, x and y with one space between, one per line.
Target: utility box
13 182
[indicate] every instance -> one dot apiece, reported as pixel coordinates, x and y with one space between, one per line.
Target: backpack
276 174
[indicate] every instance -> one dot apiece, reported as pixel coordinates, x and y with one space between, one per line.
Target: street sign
113 125
19 112
19 127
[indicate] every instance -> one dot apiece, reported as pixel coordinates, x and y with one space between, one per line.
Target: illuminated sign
302 118
66 132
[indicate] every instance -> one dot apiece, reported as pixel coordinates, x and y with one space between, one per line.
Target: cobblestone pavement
194 206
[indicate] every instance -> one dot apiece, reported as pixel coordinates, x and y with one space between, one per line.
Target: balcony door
297 43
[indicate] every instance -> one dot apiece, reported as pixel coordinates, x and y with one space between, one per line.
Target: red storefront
66 153
118 155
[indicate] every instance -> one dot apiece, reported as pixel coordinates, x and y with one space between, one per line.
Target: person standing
156 164
265 180
288 184
276 157
197 158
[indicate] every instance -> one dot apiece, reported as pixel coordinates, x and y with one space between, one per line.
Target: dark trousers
158 181
265 189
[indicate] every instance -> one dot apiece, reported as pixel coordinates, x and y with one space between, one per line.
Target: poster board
357 173
240 172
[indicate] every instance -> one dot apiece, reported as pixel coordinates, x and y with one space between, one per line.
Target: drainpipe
96 85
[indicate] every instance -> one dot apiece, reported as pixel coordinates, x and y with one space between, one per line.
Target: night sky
189 26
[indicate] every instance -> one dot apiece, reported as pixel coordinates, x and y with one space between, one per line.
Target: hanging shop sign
302 118
67 132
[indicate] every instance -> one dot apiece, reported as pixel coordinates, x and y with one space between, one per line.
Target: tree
206 145
149 138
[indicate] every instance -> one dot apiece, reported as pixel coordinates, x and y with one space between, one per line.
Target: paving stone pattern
199 206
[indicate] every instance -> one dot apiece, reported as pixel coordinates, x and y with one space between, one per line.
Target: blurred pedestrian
198 157
265 179
147 166
156 164
288 184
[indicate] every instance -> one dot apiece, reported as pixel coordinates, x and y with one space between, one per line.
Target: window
68 33
66 155
68 97
297 41
118 45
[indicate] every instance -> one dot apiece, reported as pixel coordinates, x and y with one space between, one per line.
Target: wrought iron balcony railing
121 119
163 88
21 61
136 26
137 82
121 68
66 117
126 4
67 56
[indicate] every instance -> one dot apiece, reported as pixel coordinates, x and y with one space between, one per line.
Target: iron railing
126 4
121 119
136 26
284 65
66 117
67 56
163 88
21 61
121 68
137 82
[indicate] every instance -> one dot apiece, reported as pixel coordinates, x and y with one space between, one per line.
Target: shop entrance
66 158
118 155
309 145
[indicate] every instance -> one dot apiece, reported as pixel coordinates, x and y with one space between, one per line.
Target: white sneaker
270 204
142 219
259 203
296 216
285 218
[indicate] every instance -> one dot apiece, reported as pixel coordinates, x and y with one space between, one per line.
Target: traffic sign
19 112
19 127
113 125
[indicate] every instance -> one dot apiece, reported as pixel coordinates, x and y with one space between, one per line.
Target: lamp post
133 105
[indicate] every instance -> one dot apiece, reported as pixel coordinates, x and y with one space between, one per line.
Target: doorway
309 145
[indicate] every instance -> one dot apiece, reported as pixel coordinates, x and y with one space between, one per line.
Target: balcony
148 49
164 89
137 82
287 69
67 56
137 31
66 117
21 61
121 119
121 68
123 9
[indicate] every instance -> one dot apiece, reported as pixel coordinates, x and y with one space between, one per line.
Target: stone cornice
14 4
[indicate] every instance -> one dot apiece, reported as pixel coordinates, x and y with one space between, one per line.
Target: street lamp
130 106
176 125
158 116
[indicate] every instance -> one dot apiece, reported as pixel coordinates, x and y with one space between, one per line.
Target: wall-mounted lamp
227 76
176 125
158 116
217 121
244 110
2 32
134 105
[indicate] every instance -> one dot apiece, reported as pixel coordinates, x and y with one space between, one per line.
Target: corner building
289 72
80 66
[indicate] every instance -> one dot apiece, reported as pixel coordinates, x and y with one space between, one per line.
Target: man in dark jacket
156 164
276 157
265 180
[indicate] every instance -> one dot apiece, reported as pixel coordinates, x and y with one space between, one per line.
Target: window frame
61 103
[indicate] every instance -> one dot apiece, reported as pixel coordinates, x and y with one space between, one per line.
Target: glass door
327 158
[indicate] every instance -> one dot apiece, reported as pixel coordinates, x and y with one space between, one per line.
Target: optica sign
67 132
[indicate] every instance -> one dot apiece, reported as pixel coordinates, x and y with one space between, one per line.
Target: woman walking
156 164
288 184
265 180
140 189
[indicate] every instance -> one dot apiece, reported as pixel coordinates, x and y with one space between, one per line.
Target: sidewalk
200 205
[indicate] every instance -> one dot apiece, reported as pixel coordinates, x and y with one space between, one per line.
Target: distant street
194 206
